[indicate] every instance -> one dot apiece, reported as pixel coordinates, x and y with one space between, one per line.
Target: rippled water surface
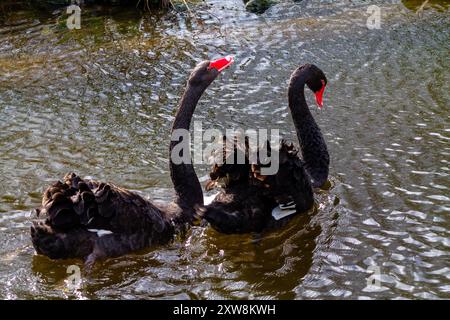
100 101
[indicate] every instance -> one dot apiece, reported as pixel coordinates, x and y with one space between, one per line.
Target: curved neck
312 144
187 186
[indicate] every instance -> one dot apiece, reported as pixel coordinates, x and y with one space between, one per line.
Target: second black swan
74 207
247 198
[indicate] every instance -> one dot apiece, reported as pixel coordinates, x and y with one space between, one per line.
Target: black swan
252 202
128 222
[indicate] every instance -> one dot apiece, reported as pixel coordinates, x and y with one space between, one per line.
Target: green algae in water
423 4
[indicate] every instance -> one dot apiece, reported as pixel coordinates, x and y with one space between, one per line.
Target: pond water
99 101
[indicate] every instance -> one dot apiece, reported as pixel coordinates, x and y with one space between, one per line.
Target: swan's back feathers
247 199
97 205
291 182
73 207
231 165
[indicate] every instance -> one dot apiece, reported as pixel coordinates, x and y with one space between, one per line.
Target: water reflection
100 102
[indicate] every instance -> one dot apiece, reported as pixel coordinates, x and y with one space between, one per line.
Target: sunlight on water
100 101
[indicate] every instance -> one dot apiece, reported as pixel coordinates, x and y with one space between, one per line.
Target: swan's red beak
319 95
221 64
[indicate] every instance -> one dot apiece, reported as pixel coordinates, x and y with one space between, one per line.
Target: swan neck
297 102
187 186
312 144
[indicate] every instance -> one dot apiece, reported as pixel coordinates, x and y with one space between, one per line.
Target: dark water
100 101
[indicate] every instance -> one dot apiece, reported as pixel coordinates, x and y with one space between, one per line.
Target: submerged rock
258 6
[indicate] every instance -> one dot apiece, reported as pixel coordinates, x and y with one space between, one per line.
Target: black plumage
247 197
70 209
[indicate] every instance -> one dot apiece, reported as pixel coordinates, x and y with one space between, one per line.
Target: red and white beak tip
319 100
222 64
319 96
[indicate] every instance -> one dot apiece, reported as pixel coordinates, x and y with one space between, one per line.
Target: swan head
206 72
317 81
